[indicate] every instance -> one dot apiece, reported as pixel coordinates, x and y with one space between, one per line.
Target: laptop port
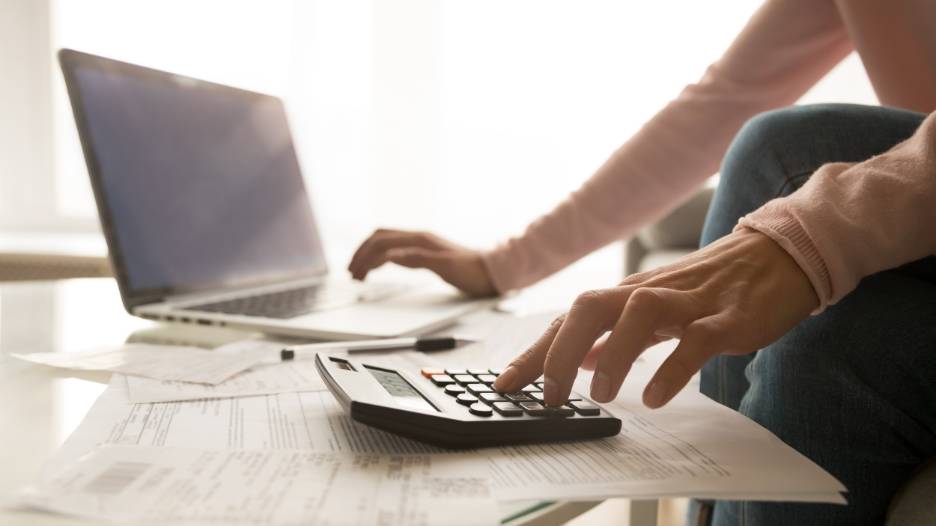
186 320
170 318
150 316
204 322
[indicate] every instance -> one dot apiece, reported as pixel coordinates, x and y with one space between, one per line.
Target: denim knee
797 140
777 151
752 171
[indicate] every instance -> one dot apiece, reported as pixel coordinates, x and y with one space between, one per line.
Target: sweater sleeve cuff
791 236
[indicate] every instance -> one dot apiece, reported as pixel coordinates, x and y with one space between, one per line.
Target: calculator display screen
401 390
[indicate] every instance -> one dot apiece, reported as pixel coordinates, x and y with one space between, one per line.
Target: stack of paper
692 447
172 485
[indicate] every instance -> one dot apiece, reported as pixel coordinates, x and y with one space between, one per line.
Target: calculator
458 408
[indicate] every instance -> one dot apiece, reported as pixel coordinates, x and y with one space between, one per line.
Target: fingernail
506 378
551 393
655 394
601 388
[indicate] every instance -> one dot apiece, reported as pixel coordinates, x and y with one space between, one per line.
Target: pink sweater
848 221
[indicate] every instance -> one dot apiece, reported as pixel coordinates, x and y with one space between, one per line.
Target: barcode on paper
116 478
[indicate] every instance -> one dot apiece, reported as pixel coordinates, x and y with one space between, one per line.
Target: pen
430 344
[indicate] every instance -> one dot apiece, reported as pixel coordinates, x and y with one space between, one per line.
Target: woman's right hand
461 267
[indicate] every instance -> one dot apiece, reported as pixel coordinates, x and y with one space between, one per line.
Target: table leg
643 512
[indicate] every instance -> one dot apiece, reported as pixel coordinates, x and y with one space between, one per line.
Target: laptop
206 216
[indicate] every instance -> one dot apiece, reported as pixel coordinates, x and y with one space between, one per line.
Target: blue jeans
853 388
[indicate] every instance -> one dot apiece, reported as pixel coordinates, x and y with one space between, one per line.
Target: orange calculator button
429 371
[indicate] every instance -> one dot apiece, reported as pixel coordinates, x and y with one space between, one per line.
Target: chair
678 234
670 238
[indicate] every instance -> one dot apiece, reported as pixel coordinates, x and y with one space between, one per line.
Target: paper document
503 336
164 362
308 420
283 377
271 376
173 485
692 447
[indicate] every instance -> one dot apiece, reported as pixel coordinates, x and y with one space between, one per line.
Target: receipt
165 362
286 487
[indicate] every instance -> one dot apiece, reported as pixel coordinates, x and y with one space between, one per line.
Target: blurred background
468 119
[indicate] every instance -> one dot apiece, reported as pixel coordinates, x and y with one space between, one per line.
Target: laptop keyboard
295 302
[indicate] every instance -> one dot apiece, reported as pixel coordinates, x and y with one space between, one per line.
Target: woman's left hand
735 296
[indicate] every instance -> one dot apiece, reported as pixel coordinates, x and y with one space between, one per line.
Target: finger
368 248
382 244
641 277
395 255
373 253
592 357
438 262
592 314
365 246
649 313
420 258
529 365
701 340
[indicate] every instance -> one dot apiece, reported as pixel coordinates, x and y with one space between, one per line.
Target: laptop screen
201 181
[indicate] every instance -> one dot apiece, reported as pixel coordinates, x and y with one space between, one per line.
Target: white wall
26 122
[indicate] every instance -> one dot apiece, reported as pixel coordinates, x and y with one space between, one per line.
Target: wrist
786 265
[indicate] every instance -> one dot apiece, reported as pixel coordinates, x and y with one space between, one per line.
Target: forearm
786 47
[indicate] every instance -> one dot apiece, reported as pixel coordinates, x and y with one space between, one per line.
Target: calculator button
476 370
453 372
465 379
454 390
563 411
492 398
487 378
508 409
477 389
442 379
429 371
531 389
534 409
480 410
585 409
466 399
538 396
496 372
516 397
